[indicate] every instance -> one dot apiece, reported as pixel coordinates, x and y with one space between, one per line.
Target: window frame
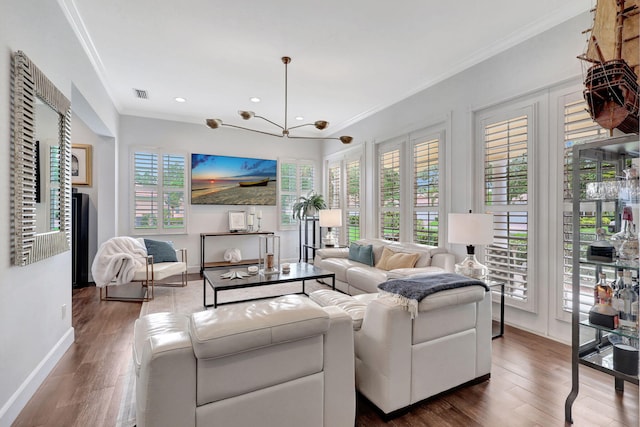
160 192
341 160
565 205
497 114
299 191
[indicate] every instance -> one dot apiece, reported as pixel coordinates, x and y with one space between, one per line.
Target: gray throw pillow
161 251
361 253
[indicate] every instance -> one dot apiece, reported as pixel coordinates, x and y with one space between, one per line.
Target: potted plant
308 206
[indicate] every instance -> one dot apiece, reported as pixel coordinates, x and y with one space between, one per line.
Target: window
426 191
159 192
506 196
578 129
297 178
409 185
389 196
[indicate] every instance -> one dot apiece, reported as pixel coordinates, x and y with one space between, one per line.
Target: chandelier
246 115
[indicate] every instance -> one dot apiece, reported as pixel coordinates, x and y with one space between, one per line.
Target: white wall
102 150
538 70
33 332
192 138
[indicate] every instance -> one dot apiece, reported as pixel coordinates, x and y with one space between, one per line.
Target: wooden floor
530 379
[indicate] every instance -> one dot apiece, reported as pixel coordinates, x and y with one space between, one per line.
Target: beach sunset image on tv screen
224 180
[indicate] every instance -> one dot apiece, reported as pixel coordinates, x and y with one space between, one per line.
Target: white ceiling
350 58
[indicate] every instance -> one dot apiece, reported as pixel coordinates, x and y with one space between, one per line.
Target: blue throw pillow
161 251
361 253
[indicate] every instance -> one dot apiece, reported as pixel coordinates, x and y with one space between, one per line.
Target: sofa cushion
241 327
354 307
361 253
160 271
391 260
161 251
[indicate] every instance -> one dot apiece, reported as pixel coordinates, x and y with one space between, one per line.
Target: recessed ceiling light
179 99
255 99
299 118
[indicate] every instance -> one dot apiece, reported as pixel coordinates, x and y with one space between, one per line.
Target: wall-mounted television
225 180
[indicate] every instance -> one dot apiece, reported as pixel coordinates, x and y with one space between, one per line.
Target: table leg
501 333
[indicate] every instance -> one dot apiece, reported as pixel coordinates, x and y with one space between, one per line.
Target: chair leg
142 295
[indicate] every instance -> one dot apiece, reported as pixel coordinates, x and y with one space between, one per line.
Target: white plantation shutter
297 178
173 191
506 193
389 196
578 129
159 191
333 193
353 200
426 189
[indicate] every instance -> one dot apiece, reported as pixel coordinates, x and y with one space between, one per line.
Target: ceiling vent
141 93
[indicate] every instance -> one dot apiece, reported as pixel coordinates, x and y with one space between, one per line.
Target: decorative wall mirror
41 165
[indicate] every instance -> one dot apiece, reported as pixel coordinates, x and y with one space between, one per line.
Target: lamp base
470 267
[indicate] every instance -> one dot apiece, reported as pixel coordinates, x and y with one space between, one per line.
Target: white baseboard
11 409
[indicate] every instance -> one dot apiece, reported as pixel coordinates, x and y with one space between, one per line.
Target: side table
494 284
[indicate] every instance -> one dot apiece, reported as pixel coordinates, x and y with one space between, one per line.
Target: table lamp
471 229
330 218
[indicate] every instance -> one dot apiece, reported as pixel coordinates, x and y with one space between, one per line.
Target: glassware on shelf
601 249
629 312
626 240
603 293
617 286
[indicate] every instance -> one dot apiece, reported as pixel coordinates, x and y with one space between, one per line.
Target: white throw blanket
117 261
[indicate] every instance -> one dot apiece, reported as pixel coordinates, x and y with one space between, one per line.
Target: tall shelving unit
592 344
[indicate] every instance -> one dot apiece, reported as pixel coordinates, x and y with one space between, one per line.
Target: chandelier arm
267 120
286 85
312 137
299 126
253 130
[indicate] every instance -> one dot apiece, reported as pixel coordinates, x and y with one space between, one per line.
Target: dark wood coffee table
300 272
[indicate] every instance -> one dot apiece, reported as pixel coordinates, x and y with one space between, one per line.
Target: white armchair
123 260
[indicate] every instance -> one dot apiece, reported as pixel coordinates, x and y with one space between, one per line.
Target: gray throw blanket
412 290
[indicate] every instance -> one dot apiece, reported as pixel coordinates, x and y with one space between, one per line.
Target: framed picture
81 164
225 180
237 221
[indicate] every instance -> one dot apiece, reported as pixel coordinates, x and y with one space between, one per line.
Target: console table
216 264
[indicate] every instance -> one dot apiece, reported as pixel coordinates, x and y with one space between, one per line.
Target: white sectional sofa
353 277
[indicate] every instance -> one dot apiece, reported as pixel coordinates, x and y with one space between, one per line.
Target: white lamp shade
470 228
331 218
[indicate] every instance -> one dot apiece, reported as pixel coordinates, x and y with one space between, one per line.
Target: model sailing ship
611 84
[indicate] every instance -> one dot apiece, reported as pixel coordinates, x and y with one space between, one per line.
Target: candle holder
269 254
259 216
250 222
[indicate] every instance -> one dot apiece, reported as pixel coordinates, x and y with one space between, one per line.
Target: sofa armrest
332 253
181 254
446 261
339 370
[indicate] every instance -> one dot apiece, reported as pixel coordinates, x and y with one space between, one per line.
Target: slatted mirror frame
29 83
